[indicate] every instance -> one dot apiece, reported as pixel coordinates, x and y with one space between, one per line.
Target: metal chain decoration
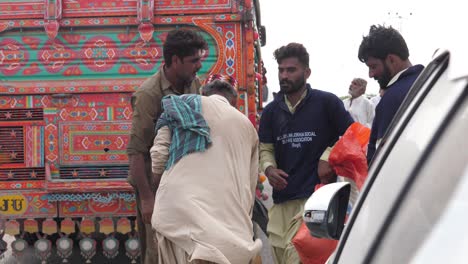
132 247
88 248
42 248
64 243
110 247
64 247
96 197
87 244
19 246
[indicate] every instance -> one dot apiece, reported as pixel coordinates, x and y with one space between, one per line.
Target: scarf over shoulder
190 132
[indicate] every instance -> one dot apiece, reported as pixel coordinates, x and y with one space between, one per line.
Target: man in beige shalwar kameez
204 202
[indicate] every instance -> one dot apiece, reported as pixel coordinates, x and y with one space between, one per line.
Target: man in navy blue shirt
386 54
295 130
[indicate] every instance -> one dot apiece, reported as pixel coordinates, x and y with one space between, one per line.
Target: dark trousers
149 253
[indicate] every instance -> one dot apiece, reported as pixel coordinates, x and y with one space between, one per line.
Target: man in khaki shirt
182 51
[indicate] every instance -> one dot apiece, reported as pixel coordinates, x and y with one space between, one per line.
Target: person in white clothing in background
376 99
358 106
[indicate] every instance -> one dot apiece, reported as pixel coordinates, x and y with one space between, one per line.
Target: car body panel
435 208
411 134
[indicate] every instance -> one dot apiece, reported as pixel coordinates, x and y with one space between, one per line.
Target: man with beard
358 106
295 129
182 51
386 54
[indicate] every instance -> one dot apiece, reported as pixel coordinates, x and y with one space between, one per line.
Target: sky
332 31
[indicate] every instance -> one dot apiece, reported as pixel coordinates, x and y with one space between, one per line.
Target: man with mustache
358 106
182 50
295 130
386 54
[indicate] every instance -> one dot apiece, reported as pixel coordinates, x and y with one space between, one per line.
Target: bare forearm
138 174
160 154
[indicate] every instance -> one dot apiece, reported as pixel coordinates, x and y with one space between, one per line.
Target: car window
397 159
429 225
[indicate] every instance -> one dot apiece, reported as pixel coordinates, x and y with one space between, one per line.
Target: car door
427 223
412 134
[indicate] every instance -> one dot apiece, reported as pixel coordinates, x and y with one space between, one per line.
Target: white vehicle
413 207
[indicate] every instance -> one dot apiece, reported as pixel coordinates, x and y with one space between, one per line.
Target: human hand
325 172
147 206
276 178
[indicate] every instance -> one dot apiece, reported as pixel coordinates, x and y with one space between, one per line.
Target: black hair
381 42
293 50
182 43
219 87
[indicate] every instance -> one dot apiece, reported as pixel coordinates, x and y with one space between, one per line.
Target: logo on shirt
296 139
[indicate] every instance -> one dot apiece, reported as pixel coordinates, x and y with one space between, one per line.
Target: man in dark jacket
295 129
386 54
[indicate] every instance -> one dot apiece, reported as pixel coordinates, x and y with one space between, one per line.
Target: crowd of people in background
195 159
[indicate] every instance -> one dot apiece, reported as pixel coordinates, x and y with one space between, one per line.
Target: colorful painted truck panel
67 72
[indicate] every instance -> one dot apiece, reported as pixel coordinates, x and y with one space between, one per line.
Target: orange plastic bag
348 156
312 250
348 159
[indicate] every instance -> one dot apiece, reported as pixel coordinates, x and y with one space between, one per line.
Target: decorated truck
67 72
